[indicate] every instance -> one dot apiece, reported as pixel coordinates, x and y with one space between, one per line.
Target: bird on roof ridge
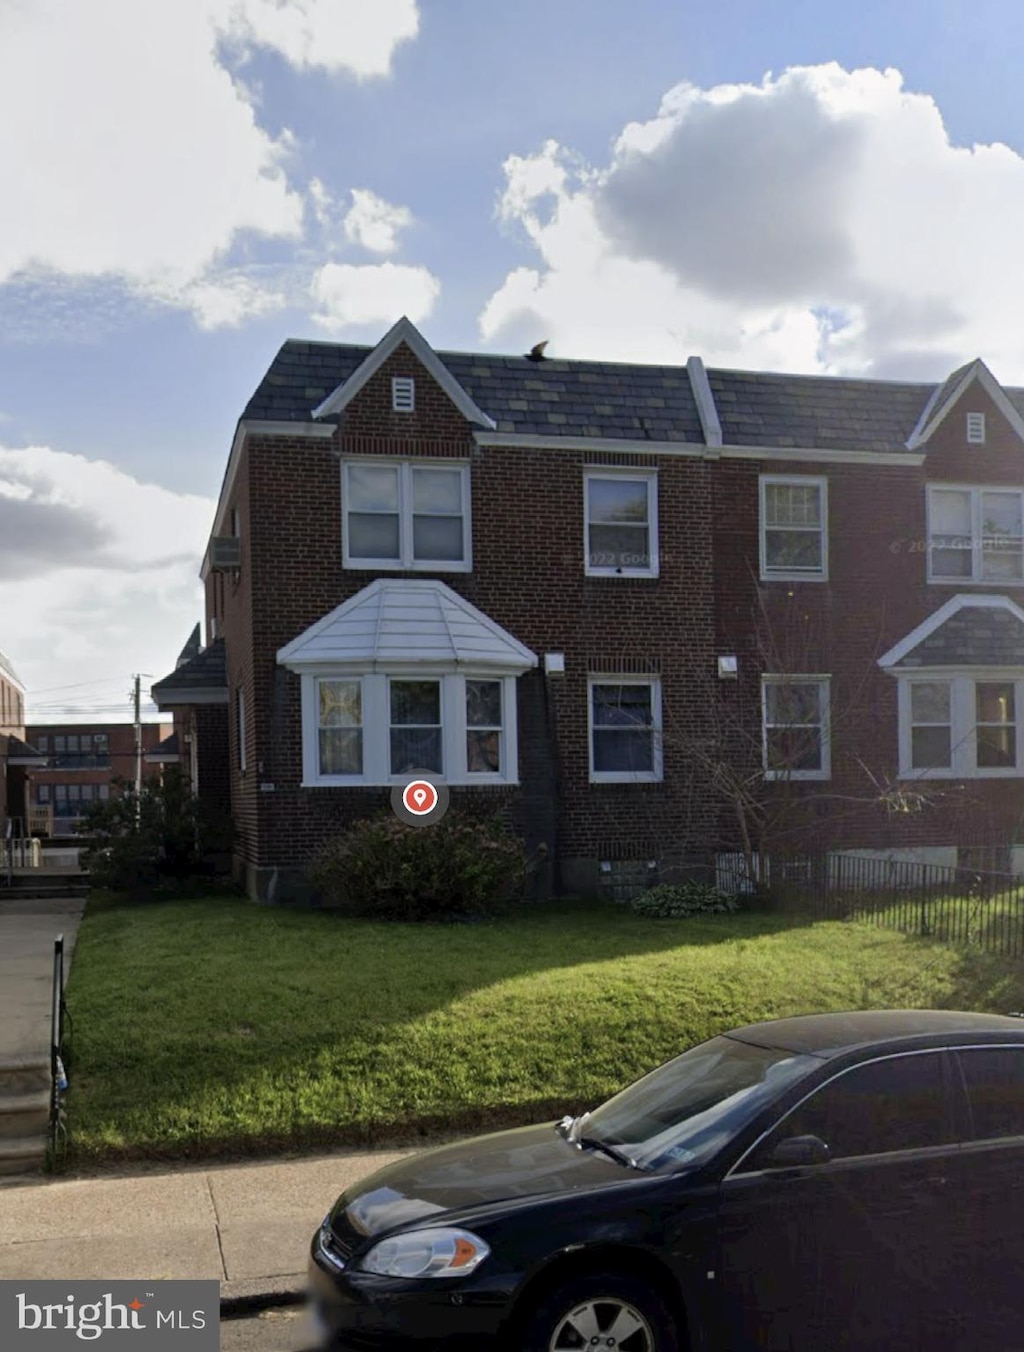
536 353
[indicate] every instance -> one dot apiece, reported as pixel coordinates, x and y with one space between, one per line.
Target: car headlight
426 1253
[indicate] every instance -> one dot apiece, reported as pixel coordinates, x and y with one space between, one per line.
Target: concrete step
24 1155
24 1075
24 1116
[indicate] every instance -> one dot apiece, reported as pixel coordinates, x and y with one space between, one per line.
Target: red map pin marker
419 797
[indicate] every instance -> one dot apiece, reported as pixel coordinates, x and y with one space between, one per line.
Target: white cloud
818 221
99 570
145 161
374 223
375 294
351 35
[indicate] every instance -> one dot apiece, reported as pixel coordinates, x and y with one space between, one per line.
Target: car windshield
687 1109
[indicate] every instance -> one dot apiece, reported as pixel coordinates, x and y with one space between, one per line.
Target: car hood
529 1161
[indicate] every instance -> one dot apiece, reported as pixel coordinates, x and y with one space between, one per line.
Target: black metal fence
959 906
58 1075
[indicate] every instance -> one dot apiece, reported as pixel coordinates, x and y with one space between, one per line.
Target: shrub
383 869
157 839
676 901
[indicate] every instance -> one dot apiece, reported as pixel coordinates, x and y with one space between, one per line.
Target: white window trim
976 578
240 700
656 774
403 394
976 429
824 684
650 477
963 733
376 727
791 574
406 563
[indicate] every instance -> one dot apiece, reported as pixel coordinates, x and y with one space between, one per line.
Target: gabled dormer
969 412
402 388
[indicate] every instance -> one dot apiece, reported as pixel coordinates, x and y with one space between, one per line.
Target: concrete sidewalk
247 1226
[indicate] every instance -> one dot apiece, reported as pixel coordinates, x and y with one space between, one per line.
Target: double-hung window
621 525
975 534
375 728
961 727
406 514
794 527
795 727
625 729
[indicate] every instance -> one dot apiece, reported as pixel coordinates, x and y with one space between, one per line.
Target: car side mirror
799 1150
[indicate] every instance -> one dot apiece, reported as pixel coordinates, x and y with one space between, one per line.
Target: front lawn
214 1027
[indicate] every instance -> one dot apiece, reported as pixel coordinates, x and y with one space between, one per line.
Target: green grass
217 1028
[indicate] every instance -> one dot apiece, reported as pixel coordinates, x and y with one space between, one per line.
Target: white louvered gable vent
403 394
976 429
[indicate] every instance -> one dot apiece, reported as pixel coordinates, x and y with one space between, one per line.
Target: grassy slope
216 1027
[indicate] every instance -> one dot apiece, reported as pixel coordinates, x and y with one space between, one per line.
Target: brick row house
83 764
17 756
649 613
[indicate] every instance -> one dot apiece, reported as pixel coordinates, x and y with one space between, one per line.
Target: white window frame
376 710
824 684
977 577
769 574
657 773
405 562
963 727
403 394
648 477
240 703
976 429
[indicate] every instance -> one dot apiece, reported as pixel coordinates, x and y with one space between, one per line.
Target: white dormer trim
929 421
952 607
403 332
705 401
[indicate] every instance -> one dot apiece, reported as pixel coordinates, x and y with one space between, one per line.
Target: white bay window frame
376 725
976 548
406 560
963 722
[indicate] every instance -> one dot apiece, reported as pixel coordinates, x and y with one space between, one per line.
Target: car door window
995 1089
898 1103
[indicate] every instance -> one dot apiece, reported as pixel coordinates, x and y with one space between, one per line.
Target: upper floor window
794 527
795 727
961 727
406 514
975 534
625 729
80 751
621 523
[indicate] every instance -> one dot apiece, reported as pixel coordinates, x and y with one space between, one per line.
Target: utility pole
138 739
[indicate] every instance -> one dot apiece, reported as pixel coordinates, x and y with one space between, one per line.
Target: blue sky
782 184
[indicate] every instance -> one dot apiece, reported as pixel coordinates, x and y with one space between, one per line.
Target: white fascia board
475 666
978 371
403 332
185 695
34 762
264 428
706 410
533 441
939 618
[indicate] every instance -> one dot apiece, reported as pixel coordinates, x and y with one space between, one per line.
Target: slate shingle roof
621 400
207 670
976 636
22 753
166 750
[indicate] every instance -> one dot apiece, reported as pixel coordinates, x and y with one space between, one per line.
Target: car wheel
603 1312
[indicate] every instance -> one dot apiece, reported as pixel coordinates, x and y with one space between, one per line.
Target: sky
789 185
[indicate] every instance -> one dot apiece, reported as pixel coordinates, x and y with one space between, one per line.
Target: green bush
384 869
679 900
153 841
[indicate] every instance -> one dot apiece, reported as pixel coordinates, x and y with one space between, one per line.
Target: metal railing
956 905
58 1075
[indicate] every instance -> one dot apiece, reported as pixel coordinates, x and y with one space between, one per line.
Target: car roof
830 1034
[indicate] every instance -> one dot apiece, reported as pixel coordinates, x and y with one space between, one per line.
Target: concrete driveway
27 931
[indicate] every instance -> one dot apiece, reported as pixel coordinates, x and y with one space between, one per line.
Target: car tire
620 1312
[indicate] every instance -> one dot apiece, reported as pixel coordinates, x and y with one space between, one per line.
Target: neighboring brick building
16 756
82 762
608 601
